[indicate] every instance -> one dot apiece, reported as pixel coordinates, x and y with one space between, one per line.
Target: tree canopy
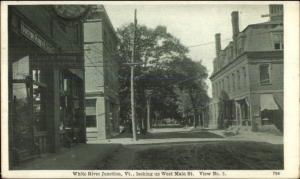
177 82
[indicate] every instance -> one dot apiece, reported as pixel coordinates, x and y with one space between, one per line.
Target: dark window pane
91 121
90 102
264 74
277 46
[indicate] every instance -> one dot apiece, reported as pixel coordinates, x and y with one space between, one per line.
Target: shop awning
267 102
77 72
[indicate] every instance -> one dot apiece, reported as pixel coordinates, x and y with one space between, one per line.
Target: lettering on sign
58 60
36 38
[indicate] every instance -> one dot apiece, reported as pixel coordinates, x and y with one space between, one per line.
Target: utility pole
148 95
148 114
132 81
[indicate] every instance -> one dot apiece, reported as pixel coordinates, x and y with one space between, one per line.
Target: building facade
101 72
46 81
247 80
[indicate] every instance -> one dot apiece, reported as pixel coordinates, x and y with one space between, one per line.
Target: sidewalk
163 135
158 136
81 156
130 141
252 136
160 130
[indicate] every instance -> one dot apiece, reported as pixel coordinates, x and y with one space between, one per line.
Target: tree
164 63
194 86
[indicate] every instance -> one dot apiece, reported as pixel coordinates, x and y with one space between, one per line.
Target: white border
291 95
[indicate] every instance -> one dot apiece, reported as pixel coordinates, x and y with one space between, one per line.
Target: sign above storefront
73 61
36 38
71 12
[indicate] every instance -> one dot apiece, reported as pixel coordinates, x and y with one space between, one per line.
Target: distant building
101 74
46 80
247 80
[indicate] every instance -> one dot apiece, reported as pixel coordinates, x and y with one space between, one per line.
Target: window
91 121
245 77
278 41
90 102
90 107
65 87
20 68
36 75
264 73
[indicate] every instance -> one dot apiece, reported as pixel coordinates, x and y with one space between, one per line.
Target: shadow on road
169 135
226 155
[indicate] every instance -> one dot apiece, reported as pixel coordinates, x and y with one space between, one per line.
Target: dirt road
205 155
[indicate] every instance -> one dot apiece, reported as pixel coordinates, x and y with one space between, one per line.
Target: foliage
177 82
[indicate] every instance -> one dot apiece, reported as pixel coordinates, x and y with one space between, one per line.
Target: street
196 155
169 149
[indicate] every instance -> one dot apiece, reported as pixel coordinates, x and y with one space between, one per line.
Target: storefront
271 112
46 88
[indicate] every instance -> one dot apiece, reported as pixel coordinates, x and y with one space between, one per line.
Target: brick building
46 79
101 74
247 80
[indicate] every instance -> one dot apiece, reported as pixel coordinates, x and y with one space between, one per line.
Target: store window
20 68
269 110
264 71
38 91
21 105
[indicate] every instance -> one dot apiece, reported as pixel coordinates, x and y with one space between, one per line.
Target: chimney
218 43
276 12
235 24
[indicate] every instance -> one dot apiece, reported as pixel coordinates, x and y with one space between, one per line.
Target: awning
267 102
77 72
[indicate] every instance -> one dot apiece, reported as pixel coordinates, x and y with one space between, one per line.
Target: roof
255 38
264 23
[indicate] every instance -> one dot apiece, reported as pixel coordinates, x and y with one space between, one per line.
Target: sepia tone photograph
145 87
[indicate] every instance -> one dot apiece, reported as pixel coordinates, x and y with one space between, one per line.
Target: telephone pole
132 81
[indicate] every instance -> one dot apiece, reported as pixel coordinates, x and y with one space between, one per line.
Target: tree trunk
203 118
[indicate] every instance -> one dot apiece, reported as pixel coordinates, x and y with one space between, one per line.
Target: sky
193 24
